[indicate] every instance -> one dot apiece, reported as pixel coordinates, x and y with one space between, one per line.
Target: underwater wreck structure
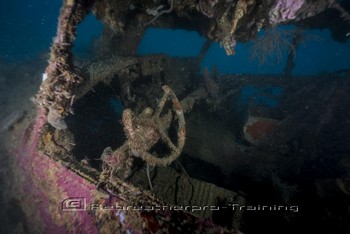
175 157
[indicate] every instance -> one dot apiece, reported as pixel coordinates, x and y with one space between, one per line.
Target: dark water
304 166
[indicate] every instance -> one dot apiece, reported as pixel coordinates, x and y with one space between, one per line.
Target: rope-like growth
167 11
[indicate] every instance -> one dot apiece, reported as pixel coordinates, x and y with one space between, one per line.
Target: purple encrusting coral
44 184
285 10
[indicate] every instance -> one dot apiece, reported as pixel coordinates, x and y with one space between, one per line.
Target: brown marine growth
143 132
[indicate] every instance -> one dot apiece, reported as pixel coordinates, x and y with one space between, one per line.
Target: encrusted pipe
61 76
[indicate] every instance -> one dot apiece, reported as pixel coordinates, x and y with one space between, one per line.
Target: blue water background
27 29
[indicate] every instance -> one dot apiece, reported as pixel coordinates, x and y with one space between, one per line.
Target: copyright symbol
74 204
